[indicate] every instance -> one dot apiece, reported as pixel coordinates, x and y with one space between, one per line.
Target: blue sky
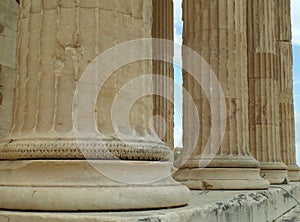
295 5
178 25
296 69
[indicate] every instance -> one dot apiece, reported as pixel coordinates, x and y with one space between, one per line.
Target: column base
221 178
274 172
74 148
76 185
294 173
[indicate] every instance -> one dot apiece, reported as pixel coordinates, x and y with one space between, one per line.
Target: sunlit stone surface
113 167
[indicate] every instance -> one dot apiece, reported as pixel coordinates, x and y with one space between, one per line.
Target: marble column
7 80
163 109
285 78
263 91
217 31
8 35
44 164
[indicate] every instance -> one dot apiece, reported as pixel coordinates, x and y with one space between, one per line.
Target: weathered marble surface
8 32
263 90
7 82
163 28
56 42
8 35
58 39
285 78
292 216
216 30
205 206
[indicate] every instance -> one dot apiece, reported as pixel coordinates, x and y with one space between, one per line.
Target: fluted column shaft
8 35
57 42
163 28
263 90
217 31
285 78
43 158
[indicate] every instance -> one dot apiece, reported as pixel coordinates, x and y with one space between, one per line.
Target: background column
217 31
285 78
163 28
263 90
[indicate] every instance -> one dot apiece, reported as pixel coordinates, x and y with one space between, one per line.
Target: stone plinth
217 31
263 90
43 163
244 206
60 185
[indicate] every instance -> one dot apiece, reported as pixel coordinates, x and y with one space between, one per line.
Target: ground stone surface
291 216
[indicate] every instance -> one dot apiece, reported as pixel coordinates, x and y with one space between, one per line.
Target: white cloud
178 137
178 24
177 21
295 4
178 115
